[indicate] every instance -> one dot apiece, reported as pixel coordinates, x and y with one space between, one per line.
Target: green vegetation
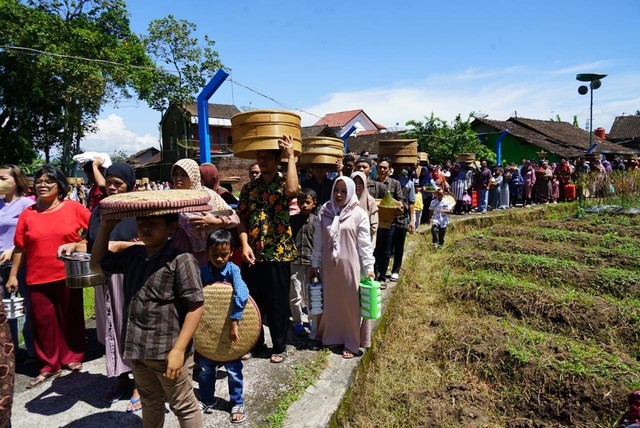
516 323
304 376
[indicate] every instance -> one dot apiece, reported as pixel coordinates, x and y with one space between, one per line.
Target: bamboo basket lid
212 335
153 202
260 130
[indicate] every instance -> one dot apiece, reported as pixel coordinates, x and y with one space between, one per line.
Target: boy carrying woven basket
219 269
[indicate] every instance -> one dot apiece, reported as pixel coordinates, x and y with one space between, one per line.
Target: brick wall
231 166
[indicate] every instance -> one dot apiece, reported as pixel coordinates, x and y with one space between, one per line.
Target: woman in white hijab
343 255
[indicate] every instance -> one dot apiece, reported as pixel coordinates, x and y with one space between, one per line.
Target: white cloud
112 135
537 94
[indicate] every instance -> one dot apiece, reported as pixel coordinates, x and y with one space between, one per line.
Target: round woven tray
154 202
449 199
212 335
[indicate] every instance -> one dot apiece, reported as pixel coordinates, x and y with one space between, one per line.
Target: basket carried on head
321 150
402 152
211 338
466 158
154 202
256 130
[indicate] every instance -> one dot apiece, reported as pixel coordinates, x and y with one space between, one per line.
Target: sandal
42 377
279 358
134 405
347 355
236 410
75 367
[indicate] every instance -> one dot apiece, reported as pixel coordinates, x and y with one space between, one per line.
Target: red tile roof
338 119
343 117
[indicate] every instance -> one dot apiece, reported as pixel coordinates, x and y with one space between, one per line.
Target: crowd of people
290 226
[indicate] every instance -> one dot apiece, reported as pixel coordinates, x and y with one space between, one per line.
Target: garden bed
519 322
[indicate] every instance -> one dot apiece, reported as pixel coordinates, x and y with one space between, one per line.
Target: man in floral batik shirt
267 242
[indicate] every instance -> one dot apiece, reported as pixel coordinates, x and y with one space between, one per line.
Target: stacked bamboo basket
404 152
321 151
260 130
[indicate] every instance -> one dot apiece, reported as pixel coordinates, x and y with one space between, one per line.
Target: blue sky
404 60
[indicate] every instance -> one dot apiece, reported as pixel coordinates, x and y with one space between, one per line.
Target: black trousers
268 284
397 244
382 253
437 234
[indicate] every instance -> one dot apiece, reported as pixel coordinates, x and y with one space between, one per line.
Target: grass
492 332
305 375
89 302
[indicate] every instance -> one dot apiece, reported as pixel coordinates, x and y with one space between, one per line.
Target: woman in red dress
57 315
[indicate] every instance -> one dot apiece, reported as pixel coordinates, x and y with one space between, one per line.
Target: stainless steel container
14 307
79 274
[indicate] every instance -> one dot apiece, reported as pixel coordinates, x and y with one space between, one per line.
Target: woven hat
154 202
212 335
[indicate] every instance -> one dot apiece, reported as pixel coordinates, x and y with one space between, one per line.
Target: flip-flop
238 409
132 406
42 378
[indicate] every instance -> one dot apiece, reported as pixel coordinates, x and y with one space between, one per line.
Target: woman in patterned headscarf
194 227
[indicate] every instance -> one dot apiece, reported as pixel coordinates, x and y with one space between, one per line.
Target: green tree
442 141
172 45
66 92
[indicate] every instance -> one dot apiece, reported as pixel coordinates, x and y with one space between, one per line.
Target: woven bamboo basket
212 335
542 154
423 157
398 148
386 215
260 130
153 202
466 157
321 150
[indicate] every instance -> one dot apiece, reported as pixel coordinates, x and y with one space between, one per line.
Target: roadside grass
89 302
304 376
491 337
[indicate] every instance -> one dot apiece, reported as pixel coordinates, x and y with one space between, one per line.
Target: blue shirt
230 273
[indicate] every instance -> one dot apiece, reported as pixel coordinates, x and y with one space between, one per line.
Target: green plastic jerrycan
370 299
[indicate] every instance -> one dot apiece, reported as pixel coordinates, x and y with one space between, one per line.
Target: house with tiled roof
626 131
344 120
524 138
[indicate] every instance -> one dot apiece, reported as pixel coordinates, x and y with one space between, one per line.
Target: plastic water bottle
314 289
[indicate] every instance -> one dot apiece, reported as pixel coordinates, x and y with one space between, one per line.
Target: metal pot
79 274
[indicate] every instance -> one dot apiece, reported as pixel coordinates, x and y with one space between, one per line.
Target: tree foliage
65 93
173 46
443 141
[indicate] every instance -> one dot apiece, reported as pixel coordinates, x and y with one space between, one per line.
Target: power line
37 52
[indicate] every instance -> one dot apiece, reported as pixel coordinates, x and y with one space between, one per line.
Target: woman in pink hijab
342 255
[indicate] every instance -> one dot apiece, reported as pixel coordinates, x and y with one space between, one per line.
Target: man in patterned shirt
267 242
